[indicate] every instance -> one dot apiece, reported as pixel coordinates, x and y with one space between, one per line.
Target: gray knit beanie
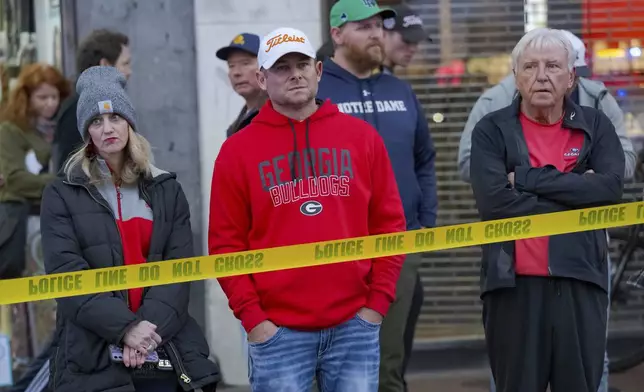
101 89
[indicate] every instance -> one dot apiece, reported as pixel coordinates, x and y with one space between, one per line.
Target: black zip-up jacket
67 138
243 118
499 148
79 232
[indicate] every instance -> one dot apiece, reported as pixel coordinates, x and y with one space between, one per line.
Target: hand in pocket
370 315
262 332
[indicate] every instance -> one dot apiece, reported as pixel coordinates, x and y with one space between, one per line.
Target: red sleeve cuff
251 316
379 302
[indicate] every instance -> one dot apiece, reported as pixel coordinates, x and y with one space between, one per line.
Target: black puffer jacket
79 232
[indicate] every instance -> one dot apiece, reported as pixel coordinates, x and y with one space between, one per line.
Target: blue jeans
345 358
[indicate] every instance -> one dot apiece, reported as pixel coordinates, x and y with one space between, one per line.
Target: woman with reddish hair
26 132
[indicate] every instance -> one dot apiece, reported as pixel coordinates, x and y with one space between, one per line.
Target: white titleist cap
283 41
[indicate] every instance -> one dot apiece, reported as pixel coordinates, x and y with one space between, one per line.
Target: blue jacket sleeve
424 156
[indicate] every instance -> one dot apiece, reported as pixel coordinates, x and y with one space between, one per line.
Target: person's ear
318 69
261 79
104 62
336 35
571 82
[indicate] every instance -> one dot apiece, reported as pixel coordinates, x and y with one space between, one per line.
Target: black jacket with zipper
79 232
67 138
243 119
499 148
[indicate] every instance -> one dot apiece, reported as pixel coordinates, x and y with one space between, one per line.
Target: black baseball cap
407 23
245 42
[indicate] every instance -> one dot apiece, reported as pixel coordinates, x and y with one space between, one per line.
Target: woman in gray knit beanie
107 123
114 209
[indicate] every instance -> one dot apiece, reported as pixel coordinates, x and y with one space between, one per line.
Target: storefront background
470 52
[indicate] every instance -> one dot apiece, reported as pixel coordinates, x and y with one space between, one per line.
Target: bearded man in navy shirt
354 80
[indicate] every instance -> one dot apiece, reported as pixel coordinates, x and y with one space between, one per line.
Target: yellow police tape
306 255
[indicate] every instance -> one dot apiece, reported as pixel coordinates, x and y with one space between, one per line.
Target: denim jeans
345 358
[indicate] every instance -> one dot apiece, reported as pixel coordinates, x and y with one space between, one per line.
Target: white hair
541 38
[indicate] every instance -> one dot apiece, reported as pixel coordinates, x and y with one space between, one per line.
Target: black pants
412 320
13 239
162 385
166 383
546 331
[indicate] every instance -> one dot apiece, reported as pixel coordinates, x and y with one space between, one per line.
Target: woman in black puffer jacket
114 208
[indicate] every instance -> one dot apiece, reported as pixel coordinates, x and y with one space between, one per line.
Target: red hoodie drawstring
308 148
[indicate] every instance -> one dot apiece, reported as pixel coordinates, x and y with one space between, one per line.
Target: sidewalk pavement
477 381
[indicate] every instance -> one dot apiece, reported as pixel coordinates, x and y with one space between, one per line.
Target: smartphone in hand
116 355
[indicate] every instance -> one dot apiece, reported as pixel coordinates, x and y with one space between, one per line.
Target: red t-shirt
547 145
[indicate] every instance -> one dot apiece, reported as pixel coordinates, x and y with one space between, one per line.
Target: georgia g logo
311 208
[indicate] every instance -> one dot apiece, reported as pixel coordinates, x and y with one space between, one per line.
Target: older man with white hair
545 299
585 92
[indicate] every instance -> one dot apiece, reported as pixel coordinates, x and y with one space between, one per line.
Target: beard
366 58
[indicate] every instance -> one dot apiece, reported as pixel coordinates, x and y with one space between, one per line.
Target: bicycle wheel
625 344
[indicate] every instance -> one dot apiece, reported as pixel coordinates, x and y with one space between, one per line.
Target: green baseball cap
356 10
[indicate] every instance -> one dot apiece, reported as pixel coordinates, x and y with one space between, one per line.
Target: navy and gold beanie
101 89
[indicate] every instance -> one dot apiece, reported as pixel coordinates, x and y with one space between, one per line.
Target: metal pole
69 37
446 40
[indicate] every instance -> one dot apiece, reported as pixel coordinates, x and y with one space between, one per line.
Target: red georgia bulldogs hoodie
283 182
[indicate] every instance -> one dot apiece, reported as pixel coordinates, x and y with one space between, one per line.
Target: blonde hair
138 161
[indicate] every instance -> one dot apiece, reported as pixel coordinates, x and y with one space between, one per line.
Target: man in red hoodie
304 172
